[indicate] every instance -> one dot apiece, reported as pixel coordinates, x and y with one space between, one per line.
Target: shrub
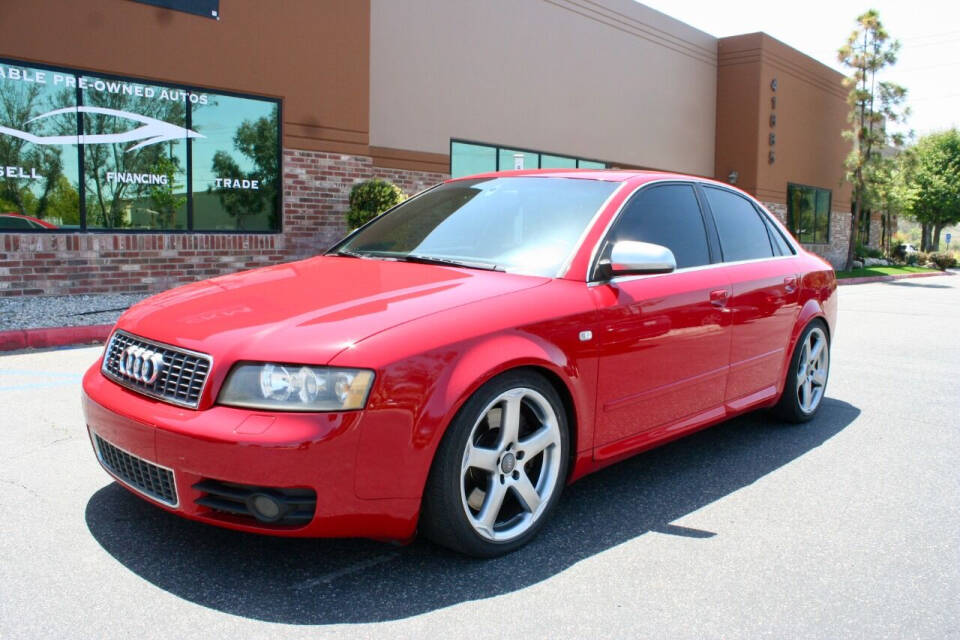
923 258
370 198
943 260
912 259
897 248
862 252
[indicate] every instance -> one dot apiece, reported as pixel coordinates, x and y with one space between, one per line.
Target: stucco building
142 147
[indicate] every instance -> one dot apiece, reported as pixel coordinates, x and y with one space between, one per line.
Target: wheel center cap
508 462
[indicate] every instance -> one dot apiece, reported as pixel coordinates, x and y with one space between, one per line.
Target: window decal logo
152 131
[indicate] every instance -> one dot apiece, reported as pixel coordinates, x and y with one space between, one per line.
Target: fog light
265 507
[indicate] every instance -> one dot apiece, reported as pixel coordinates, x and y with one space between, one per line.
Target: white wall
606 79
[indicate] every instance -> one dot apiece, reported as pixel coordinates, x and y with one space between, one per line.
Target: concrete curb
53 336
865 280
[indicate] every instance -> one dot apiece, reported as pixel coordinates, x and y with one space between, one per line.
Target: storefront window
154 157
235 170
468 158
808 213
134 155
38 150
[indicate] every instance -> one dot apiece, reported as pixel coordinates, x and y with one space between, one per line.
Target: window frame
713 237
497 148
791 221
81 186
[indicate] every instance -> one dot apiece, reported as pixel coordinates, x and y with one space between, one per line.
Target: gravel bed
34 312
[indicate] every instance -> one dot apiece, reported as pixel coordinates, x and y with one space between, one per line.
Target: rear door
665 339
764 296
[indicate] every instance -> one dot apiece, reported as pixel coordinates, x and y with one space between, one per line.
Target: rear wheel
500 468
807 375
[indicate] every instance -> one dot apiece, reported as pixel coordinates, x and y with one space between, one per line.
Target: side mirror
629 258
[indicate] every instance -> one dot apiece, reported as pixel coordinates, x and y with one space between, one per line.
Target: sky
928 31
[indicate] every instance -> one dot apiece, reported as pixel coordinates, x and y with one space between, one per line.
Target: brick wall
316 188
834 251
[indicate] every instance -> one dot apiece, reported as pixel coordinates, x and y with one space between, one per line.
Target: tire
500 468
806 382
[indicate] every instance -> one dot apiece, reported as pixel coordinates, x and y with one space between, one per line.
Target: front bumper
315 451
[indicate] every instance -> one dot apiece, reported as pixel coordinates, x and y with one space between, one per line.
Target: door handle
718 297
790 284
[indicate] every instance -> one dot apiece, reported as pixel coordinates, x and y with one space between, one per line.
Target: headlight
287 387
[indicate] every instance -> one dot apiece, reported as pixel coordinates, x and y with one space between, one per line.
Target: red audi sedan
454 363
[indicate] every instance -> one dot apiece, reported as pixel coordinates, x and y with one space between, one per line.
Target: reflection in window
808 213
134 155
236 168
38 150
467 158
138 142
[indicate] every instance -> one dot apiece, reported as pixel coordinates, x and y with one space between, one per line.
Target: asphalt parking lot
846 527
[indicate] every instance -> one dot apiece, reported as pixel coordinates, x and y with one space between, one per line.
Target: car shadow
303 581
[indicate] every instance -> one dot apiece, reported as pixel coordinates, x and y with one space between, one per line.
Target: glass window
780 245
668 215
808 213
139 141
743 235
522 224
235 164
509 157
557 162
39 176
134 155
590 164
468 159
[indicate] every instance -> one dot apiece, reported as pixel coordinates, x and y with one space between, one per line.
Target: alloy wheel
511 464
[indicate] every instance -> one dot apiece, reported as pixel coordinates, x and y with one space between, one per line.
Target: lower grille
296 506
149 479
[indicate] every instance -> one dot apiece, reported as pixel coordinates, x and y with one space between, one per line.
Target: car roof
638 176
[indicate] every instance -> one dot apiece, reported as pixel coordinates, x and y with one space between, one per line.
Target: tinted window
667 215
743 235
808 213
780 246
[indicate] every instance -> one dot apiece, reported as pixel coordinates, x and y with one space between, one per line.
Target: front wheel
806 382
500 468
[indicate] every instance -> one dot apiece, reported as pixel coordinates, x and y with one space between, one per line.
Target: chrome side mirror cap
630 258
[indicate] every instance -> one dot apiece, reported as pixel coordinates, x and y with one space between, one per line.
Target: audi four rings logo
141 364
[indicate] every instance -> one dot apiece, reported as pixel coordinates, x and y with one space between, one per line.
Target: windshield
523 225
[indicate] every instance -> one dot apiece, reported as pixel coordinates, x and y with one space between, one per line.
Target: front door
665 339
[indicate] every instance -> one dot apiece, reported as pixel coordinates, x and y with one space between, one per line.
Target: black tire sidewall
443 519
788 407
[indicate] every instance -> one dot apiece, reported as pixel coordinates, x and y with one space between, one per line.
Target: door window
743 235
668 215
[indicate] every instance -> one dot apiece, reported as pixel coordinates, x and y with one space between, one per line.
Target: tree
20 103
931 188
873 106
257 141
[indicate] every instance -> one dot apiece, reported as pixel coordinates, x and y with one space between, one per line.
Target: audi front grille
161 371
147 478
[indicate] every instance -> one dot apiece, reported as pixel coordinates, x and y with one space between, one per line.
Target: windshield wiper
345 253
413 257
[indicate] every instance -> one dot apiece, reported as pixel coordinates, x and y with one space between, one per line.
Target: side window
743 235
780 246
668 215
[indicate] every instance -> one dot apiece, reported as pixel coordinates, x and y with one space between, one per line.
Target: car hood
311 310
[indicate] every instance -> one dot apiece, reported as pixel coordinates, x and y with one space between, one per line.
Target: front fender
417 398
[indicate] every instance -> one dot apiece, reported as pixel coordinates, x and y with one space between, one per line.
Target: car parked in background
454 363
13 220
